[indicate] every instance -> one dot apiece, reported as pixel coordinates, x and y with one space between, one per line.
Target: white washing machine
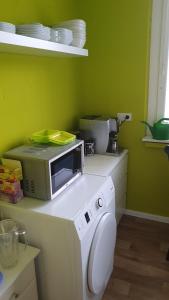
76 233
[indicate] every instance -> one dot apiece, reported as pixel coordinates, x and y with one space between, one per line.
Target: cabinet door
20 285
30 293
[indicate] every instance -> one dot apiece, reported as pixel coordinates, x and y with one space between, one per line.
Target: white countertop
102 165
11 274
78 194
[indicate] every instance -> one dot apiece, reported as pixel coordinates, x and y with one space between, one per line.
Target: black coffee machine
103 131
113 146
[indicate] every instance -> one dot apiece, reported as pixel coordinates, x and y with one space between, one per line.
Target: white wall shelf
15 43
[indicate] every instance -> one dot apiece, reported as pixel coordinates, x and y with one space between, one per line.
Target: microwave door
63 169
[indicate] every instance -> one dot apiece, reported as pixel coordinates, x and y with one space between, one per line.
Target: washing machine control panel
99 202
87 217
102 202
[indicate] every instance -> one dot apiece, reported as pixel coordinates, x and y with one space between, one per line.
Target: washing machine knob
99 202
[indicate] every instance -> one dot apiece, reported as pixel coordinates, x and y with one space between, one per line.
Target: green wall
36 92
115 79
41 92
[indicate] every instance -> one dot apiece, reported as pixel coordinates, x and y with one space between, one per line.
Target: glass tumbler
9 244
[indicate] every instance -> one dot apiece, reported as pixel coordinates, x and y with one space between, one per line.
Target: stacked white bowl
8 27
78 28
61 35
35 30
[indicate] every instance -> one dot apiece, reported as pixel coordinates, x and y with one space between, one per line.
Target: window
158 106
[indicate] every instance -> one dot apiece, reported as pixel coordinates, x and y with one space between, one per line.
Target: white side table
19 282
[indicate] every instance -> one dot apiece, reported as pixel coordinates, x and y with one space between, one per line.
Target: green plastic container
53 136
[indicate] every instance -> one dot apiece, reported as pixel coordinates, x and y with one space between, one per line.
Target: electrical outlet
124 117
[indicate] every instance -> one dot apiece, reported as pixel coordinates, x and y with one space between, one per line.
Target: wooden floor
141 271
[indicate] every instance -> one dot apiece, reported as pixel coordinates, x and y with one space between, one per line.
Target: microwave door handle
77 160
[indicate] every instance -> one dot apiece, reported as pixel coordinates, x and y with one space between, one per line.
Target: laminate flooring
141 271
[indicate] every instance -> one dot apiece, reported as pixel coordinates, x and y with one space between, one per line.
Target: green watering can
160 129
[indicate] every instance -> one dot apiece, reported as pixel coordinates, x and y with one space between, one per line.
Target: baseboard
142 215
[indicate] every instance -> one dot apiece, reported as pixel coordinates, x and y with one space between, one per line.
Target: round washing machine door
102 254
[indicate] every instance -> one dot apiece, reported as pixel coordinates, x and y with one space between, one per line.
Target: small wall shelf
15 43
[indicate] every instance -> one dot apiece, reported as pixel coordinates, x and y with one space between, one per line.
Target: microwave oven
48 170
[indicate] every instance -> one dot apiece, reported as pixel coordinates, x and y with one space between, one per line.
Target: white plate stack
35 30
61 35
78 28
8 27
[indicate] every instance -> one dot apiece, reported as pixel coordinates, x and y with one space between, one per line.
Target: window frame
158 56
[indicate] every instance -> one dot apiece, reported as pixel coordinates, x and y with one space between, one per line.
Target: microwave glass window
64 169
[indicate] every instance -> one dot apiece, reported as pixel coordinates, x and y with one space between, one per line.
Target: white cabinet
20 281
116 167
30 293
119 176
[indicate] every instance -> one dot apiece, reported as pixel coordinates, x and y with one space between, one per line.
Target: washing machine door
102 254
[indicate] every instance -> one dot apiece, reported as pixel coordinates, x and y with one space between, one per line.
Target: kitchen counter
116 167
102 165
85 186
